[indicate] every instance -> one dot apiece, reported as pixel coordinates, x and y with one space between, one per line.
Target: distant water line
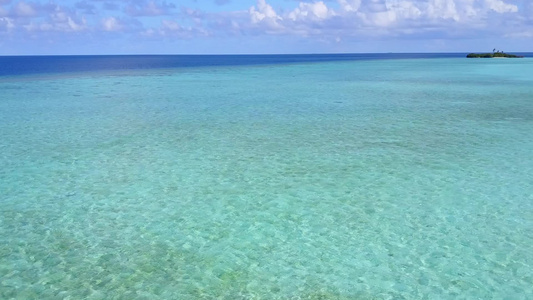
27 65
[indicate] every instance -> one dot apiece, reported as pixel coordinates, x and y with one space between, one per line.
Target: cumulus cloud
350 5
112 24
63 20
325 20
382 16
340 17
264 15
6 24
49 17
315 11
444 9
262 12
500 6
64 25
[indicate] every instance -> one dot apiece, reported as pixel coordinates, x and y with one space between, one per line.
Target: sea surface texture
266 177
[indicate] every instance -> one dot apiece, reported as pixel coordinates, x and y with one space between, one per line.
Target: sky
46 27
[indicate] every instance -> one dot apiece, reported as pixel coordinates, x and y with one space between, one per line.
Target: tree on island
495 53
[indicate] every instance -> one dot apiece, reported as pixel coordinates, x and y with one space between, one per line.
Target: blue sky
263 26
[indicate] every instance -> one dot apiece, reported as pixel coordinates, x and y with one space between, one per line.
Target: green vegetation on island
495 53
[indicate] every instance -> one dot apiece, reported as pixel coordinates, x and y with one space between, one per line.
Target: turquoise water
379 179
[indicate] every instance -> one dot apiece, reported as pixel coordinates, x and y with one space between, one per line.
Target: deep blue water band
27 65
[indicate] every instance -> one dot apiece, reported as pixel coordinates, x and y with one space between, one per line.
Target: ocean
346 176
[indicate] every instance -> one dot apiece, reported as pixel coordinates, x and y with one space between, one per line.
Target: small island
495 54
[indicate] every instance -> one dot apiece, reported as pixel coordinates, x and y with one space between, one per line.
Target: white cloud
34 17
265 15
263 12
313 11
307 18
67 23
372 18
6 24
112 24
468 8
404 9
329 21
350 5
500 6
382 18
171 25
444 9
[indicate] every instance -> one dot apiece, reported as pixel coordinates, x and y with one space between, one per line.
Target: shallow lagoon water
372 179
